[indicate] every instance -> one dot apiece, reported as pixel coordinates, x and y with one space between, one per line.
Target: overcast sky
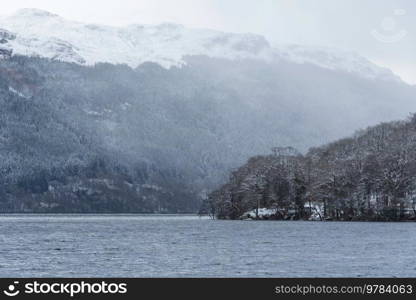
382 30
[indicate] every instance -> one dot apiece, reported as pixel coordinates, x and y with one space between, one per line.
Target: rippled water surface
188 246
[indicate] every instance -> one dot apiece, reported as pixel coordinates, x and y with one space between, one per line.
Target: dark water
187 246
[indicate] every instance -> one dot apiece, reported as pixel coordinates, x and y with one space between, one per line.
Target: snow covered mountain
151 118
34 32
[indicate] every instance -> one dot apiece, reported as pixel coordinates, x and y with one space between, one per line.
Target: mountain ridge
44 34
151 118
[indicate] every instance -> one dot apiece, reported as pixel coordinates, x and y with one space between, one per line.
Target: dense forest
369 176
110 138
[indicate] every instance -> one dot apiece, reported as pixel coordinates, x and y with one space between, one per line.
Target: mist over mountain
34 32
151 118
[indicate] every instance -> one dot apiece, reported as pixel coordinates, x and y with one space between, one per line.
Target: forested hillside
110 138
369 176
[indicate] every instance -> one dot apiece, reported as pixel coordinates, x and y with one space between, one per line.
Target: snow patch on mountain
336 59
34 32
14 91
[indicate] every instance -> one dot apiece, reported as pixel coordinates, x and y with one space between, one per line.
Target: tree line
369 176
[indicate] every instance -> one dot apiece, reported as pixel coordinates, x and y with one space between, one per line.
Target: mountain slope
40 33
143 136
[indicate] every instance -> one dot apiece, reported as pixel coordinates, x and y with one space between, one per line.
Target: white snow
316 210
40 33
262 212
336 59
125 106
17 93
92 112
